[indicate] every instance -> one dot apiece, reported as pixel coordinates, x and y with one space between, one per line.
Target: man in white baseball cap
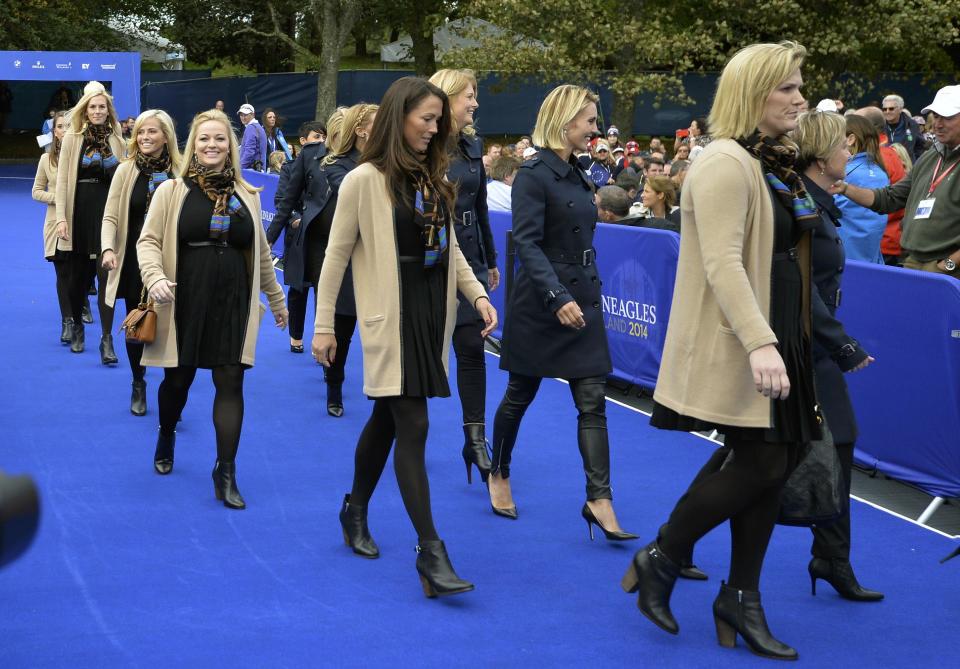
930 194
253 146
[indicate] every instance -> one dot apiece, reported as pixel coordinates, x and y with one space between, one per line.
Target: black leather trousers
588 396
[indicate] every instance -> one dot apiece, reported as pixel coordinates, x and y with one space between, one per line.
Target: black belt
790 254
88 181
584 258
410 259
210 242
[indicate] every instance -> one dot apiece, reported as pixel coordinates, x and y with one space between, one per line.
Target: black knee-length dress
213 288
130 283
423 308
794 420
90 199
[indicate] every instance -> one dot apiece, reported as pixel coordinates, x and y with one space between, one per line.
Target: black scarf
777 160
219 187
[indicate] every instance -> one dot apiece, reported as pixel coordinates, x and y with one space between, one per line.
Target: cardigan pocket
373 319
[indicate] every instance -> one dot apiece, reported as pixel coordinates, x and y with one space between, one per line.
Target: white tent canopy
447 37
152 47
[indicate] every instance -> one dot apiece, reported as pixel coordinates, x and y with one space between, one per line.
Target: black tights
471 371
131 298
82 271
227 404
62 270
746 490
297 307
343 327
403 418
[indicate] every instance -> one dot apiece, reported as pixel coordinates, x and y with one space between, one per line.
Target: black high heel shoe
335 400
436 573
739 612
296 348
591 519
507 512
652 575
225 485
839 574
356 534
163 455
475 451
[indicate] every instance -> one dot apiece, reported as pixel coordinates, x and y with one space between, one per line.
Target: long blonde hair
454 82
560 107
233 159
745 84
351 119
169 133
78 115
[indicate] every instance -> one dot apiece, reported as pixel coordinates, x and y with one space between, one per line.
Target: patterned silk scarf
428 212
96 139
778 160
219 187
157 169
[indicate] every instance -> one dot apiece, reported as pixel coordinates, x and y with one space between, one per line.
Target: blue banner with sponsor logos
268 182
637 267
119 71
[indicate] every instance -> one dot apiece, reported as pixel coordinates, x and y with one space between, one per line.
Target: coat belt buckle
589 257
836 298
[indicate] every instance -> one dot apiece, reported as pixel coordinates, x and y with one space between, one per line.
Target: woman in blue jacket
275 138
862 229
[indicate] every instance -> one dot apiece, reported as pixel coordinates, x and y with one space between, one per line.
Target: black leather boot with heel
66 330
163 455
475 451
740 612
335 400
356 534
436 573
107 355
225 485
77 342
138 398
652 575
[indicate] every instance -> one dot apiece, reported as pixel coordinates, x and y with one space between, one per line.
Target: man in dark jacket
901 128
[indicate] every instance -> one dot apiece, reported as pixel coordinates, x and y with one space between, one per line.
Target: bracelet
482 297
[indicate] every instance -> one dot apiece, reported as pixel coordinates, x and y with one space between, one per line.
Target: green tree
638 46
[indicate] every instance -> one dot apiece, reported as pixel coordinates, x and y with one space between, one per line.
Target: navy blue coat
554 218
277 198
336 171
834 351
307 184
471 221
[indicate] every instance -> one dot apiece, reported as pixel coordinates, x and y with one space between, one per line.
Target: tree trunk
424 55
622 116
339 17
360 35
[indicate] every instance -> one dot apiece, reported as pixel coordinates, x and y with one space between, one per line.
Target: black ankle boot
107 355
436 572
163 455
335 400
77 342
225 485
739 612
653 574
475 451
66 331
85 314
838 573
138 398
356 534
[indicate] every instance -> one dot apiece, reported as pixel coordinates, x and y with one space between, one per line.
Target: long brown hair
867 139
57 143
388 150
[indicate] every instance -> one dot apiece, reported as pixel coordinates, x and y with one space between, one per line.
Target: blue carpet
131 569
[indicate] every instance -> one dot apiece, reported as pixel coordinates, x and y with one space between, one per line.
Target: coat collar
824 200
470 146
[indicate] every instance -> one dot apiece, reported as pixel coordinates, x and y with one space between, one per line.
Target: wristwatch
949 265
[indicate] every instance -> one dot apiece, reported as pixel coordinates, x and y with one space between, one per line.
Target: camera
19 516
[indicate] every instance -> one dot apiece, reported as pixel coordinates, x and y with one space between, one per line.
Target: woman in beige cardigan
153 158
44 190
204 259
393 223
737 356
91 151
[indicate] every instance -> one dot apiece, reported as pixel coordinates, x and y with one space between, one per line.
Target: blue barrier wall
907 403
